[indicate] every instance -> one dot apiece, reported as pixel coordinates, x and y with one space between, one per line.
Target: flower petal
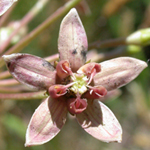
5 5
118 72
72 42
100 122
31 70
46 122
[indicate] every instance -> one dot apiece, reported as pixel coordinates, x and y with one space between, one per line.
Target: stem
108 43
52 58
28 38
94 56
15 89
5 16
30 15
5 74
23 96
8 82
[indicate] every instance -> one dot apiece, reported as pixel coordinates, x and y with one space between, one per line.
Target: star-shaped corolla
73 86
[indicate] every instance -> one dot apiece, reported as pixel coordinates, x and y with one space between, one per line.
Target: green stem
23 96
94 56
28 38
108 43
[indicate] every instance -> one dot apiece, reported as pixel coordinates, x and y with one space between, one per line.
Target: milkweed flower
73 86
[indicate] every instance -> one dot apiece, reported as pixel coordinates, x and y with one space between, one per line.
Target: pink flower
74 86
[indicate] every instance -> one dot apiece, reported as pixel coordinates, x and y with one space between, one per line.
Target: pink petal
31 70
46 122
118 72
72 42
100 122
5 5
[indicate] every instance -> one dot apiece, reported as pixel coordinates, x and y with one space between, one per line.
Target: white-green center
80 83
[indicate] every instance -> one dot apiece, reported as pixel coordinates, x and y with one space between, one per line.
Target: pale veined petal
31 70
72 42
46 122
118 72
99 121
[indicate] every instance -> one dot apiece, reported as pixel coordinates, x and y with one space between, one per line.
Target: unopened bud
140 37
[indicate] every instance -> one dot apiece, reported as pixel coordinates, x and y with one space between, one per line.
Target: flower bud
140 37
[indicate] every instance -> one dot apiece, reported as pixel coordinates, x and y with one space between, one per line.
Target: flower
74 86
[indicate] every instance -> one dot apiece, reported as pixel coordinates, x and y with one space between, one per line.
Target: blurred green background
102 19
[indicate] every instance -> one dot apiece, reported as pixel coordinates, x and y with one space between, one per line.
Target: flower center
80 83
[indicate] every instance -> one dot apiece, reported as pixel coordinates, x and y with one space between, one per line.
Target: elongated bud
5 5
140 37
31 70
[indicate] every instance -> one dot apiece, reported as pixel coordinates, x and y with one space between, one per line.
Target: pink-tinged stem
14 89
4 74
28 38
108 43
30 15
5 16
52 58
23 96
8 82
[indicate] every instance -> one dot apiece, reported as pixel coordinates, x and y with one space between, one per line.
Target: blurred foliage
107 19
